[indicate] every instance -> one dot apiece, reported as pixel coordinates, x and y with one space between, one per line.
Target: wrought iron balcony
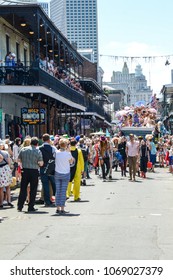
28 76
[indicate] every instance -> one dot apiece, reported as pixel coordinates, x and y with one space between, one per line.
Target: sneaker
58 211
104 180
110 177
32 209
84 183
39 201
10 204
78 199
5 202
63 212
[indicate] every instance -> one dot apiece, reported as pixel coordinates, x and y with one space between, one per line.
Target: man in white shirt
132 150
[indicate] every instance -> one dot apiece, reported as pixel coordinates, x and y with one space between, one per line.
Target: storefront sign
32 116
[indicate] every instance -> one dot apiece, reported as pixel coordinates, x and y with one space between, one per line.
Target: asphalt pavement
115 220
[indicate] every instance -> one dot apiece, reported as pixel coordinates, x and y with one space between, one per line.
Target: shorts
171 160
153 159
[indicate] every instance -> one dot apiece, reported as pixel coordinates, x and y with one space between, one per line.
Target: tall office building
77 20
45 5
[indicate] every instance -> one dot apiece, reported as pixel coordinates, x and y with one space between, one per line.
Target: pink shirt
133 148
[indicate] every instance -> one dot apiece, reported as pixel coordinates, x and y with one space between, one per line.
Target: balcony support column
48 115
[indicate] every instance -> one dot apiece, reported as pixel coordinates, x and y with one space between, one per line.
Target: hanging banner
32 116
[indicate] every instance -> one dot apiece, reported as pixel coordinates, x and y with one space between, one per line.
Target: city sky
137 28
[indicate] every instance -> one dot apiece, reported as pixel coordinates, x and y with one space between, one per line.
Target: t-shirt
133 148
153 148
62 164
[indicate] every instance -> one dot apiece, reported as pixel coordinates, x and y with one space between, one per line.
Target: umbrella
121 113
140 103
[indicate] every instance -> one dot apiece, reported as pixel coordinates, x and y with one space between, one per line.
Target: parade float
139 119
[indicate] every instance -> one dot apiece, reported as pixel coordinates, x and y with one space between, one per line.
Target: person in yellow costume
76 170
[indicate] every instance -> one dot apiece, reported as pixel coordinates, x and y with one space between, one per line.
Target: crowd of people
63 164
51 67
140 116
45 63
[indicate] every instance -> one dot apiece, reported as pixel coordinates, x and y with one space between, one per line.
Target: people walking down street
63 160
170 158
104 157
95 154
140 138
48 153
88 142
132 150
161 152
110 148
85 153
31 159
122 151
153 152
115 141
76 171
144 158
26 143
16 148
5 175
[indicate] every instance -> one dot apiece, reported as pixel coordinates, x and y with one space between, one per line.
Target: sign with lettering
33 116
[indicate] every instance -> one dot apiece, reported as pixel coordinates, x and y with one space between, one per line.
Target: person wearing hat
76 170
132 151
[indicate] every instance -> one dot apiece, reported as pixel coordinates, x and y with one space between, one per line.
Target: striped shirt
30 156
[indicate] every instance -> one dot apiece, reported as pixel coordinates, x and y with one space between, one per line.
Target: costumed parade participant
76 170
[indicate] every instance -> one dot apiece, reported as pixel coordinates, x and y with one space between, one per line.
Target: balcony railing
93 107
62 89
35 76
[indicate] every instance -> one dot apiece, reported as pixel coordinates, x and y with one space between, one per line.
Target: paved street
115 220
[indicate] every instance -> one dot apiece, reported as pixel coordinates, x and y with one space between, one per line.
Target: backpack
85 153
49 159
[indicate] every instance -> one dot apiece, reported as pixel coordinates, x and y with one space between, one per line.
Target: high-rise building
134 85
45 5
77 20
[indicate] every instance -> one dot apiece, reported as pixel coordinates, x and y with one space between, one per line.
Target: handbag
50 167
149 165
